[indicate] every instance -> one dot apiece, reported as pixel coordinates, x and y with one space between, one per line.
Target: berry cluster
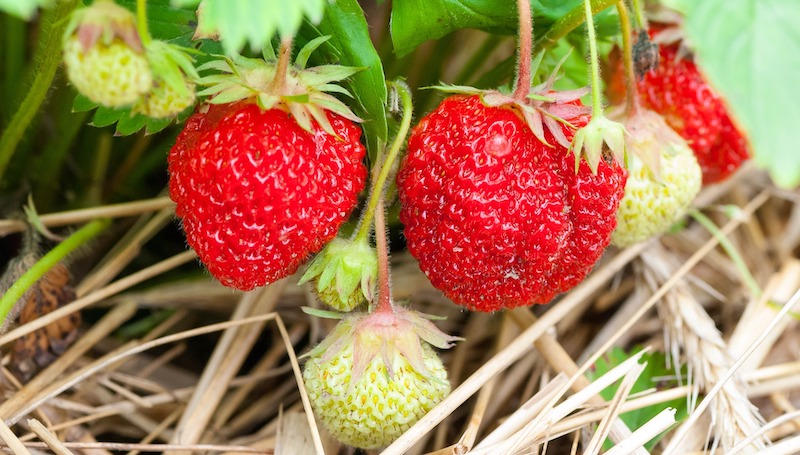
109 63
507 199
677 90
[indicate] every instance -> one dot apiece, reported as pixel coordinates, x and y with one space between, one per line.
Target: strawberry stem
632 95
141 22
641 21
523 84
378 184
47 262
45 61
384 288
597 108
278 83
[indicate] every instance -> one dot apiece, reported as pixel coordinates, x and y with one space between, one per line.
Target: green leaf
186 3
653 376
415 21
255 21
350 45
23 9
127 123
750 51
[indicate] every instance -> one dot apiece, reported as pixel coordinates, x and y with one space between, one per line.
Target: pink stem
384 288
523 86
278 83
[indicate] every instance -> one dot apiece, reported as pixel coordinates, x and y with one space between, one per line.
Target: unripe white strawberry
104 57
375 375
663 179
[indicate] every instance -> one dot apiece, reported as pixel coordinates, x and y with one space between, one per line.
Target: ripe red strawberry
496 218
257 193
678 91
266 173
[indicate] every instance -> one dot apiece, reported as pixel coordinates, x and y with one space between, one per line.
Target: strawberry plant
301 143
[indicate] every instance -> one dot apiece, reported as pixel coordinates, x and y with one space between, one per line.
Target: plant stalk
141 23
378 185
50 42
641 21
384 287
632 95
523 84
47 262
284 58
597 109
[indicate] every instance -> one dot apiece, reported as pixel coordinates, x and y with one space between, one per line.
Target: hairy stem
523 85
47 262
597 109
632 95
378 184
141 22
52 29
638 12
284 58
384 287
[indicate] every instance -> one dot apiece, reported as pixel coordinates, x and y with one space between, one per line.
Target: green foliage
173 23
414 21
652 377
255 21
23 9
127 122
350 45
750 51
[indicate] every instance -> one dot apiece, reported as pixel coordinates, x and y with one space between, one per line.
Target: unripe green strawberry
344 273
173 88
164 101
104 57
375 375
663 179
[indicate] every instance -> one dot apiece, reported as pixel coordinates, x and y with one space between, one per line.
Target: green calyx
345 273
543 109
104 21
589 142
382 335
303 92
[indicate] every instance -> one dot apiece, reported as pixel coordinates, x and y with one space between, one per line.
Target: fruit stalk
376 193
48 261
384 288
46 63
278 83
523 85
141 22
597 107
641 21
632 95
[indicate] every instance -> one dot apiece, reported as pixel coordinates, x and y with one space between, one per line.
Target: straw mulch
166 364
